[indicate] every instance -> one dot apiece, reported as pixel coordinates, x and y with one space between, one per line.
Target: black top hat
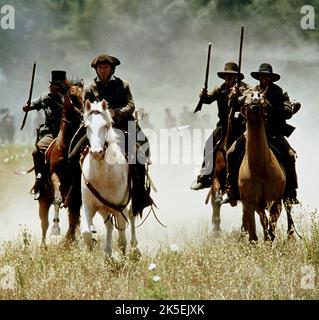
265 69
230 68
105 58
58 76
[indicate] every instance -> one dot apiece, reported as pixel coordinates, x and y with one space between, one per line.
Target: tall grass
211 269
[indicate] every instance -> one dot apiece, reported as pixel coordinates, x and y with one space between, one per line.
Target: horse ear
104 104
87 104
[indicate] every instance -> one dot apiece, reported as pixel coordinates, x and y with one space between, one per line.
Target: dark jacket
118 94
220 94
53 107
280 109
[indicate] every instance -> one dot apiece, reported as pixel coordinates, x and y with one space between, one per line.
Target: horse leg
274 213
44 217
264 223
134 241
109 233
74 223
121 225
291 227
216 212
249 223
88 214
56 230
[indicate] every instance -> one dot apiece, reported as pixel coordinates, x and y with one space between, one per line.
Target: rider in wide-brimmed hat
279 109
265 69
222 94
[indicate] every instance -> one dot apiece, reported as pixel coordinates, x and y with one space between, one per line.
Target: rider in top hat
52 104
279 109
118 95
223 94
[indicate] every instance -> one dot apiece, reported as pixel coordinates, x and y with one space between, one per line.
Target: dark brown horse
63 185
261 177
218 187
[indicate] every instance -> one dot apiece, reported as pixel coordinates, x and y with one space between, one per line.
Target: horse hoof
217 234
43 246
55 231
291 236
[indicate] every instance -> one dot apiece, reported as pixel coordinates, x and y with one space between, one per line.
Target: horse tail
24 172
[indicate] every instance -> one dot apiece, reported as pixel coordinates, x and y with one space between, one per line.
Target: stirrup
229 199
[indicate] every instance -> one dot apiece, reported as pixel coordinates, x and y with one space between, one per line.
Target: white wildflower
156 278
152 266
174 247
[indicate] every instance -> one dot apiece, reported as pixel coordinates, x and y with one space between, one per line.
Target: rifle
30 95
200 102
230 106
240 54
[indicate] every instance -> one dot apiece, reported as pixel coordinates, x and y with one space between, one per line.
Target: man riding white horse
117 93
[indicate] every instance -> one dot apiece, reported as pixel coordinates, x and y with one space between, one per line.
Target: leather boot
140 193
38 188
290 193
202 182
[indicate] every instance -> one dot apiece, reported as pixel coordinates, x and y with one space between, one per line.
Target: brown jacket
117 93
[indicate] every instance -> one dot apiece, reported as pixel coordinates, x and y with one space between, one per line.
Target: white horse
105 181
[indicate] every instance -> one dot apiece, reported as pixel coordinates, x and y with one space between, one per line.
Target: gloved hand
296 106
203 93
26 108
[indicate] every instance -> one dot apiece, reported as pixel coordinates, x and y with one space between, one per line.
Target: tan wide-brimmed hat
230 68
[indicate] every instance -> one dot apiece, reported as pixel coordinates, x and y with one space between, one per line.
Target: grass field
204 268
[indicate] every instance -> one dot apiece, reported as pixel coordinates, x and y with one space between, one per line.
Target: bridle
117 208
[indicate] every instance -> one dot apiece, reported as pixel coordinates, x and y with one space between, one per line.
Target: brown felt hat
265 68
105 58
230 68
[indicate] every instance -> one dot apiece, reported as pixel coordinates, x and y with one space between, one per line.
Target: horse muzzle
255 107
97 154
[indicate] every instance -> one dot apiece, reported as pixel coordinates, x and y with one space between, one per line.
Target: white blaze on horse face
96 132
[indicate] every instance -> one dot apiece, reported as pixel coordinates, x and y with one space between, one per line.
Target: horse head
98 122
75 95
254 105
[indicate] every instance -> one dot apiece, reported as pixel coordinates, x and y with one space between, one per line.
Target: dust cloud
165 69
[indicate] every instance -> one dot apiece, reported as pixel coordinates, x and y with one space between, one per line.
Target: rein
118 208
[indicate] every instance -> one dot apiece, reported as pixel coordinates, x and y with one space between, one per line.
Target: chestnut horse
62 187
218 187
261 178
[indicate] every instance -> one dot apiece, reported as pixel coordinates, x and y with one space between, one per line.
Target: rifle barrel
30 96
240 52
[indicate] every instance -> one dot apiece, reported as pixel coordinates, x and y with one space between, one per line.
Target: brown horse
63 186
261 178
218 187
